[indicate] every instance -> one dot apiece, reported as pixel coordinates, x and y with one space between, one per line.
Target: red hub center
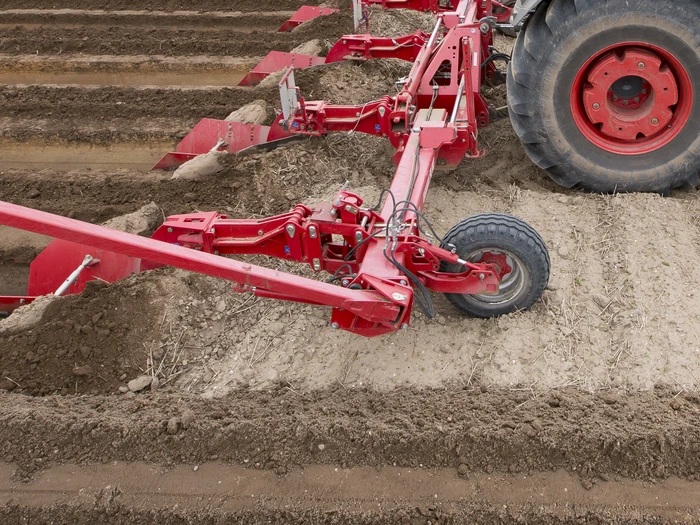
631 98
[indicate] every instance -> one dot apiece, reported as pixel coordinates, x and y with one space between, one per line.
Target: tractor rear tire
605 94
514 248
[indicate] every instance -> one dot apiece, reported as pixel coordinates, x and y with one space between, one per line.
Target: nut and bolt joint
596 106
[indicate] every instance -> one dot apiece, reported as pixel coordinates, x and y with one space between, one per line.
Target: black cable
337 276
495 56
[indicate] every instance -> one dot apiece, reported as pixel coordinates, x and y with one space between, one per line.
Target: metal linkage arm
366 47
369 305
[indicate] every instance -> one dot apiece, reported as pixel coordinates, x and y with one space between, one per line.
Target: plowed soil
584 409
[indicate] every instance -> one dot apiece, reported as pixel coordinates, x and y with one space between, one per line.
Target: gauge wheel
517 252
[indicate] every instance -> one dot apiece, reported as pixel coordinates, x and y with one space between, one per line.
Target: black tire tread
499 226
540 36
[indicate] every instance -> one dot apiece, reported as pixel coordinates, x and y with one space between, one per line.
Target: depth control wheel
518 254
605 95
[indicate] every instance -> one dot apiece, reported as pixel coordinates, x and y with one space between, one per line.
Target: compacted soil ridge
651 435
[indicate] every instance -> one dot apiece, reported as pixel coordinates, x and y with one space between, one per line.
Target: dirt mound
652 435
91 343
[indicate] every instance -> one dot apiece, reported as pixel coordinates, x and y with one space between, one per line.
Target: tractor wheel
517 251
605 95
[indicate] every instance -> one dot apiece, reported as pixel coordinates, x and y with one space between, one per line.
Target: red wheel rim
631 98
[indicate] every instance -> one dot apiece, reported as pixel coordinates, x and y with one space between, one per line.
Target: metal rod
458 100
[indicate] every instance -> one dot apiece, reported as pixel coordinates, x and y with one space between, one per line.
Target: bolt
398 296
625 102
404 326
403 282
345 42
344 282
290 230
654 121
312 232
317 264
358 236
481 276
615 98
636 99
170 230
260 233
381 111
644 92
596 106
641 65
334 326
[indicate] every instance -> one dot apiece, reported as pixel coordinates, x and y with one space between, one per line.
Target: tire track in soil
652 317
319 494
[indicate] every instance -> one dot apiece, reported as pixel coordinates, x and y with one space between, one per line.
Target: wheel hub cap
630 96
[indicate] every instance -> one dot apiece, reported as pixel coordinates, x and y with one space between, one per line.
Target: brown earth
539 417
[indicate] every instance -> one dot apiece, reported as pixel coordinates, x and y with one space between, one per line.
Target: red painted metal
650 117
304 14
230 136
10 303
277 61
366 47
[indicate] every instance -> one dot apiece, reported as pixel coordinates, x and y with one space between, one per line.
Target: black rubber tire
556 42
497 231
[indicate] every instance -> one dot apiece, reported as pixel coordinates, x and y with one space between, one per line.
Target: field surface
585 409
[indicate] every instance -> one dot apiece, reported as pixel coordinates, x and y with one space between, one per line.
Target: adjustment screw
596 106
641 65
654 121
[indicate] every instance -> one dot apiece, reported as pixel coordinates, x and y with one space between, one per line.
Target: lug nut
636 99
641 65
644 92
654 121
615 98
625 102
596 106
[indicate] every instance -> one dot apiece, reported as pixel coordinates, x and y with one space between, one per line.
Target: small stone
676 404
321 446
489 469
123 389
586 484
6 384
138 384
441 319
173 426
188 418
563 199
82 371
463 470
221 306
564 252
196 468
33 194
601 300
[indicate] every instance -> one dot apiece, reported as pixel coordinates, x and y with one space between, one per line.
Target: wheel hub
631 98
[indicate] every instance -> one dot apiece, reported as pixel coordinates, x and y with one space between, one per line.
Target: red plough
382 259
